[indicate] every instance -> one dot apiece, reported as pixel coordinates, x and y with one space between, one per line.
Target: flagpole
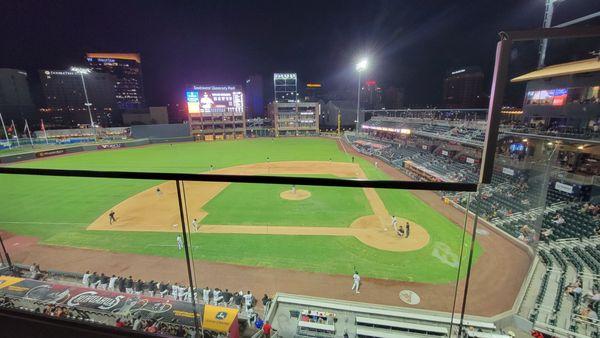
16 132
5 133
44 129
28 133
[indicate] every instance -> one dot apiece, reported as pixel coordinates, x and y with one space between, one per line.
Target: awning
569 68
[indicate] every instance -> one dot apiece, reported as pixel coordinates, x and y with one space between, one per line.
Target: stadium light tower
549 12
82 72
360 66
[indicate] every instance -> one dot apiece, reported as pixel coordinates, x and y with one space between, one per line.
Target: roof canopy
569 68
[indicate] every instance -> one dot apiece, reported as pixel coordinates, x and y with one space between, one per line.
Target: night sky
411 43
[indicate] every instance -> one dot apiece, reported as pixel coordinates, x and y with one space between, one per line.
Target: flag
44 130
26 129
13 129
5 132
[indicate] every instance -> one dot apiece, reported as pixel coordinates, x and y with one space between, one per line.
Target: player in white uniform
206 295
195 224
356 283
111 283
179 243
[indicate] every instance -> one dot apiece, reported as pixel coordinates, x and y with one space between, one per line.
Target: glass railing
185 254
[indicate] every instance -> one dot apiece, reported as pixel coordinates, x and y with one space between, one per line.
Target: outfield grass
58 209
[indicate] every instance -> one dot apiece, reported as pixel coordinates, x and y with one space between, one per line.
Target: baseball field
315 229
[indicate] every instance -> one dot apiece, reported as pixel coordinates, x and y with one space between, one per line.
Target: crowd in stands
244 301
512 202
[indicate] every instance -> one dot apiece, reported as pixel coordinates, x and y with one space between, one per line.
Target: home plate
409 297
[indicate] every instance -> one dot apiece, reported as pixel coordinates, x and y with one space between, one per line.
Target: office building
216 112
127 70
295 118
463 88
15 98
285 87
254 97
65 103
371 95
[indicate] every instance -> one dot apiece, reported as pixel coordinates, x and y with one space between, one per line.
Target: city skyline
409 45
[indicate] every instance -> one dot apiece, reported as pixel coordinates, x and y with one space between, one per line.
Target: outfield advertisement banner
110 146
50 153
121 304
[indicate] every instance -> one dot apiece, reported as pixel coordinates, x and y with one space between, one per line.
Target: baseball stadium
418 223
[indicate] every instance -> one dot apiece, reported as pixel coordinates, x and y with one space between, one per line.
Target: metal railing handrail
260 179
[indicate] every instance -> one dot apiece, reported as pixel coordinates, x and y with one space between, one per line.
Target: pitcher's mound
298 195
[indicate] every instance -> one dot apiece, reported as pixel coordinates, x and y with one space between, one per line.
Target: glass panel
296 250
100 250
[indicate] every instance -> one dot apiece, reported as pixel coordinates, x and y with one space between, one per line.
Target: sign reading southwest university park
98 300
209 100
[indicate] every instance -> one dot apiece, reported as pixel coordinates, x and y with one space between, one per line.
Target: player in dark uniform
111 217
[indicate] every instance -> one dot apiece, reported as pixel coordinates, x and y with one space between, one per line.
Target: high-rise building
371 95
15 98
127 70
65 103
254 95
463 88
285 87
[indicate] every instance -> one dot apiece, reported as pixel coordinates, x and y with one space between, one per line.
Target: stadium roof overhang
563 69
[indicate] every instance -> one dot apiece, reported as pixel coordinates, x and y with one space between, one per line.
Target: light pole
82 72
362 65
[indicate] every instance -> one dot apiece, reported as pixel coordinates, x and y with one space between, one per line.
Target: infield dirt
156 209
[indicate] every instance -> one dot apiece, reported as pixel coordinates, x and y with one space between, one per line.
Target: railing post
187 257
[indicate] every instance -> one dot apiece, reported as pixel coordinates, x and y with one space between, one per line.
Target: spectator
120 323
266 300
137 324
266 329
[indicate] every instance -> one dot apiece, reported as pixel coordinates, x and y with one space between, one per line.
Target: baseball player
111 217
158 192
206 295
407 227
356 283
195 224
111 283
293 188
395 223
179 243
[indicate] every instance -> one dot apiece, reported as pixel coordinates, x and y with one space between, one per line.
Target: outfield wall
160 131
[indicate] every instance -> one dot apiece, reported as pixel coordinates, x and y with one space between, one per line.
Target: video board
209 100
